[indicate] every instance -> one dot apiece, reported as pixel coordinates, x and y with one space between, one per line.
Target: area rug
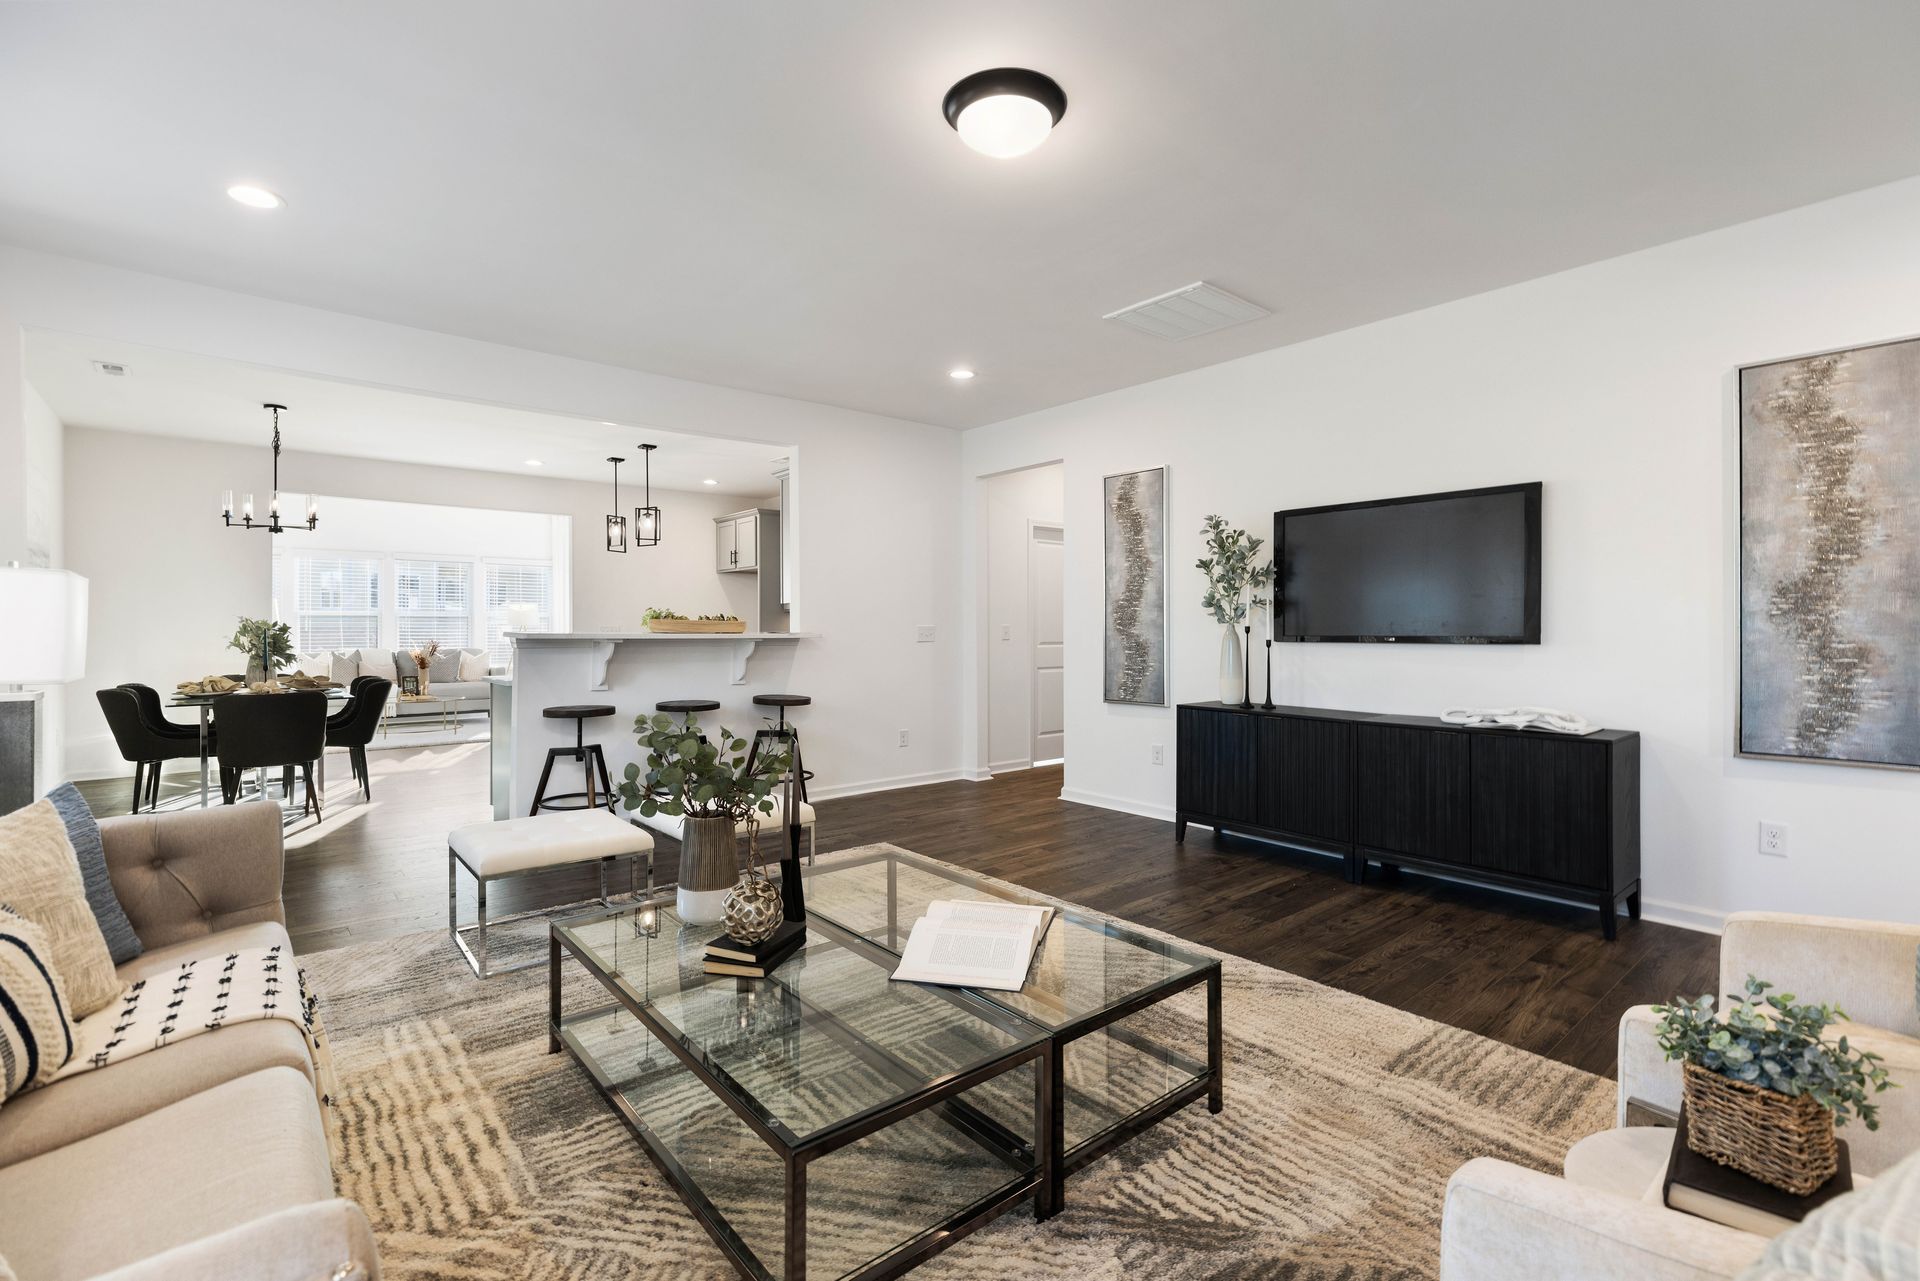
478 1155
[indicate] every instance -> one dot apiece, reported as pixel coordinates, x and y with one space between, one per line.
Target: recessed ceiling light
709 481
960 375
254 197
533 462
1005 112
605 423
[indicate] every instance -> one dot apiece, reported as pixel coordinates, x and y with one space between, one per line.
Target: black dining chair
141 745
263 731
353 727
147 699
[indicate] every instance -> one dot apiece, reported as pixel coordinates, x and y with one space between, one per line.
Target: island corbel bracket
742 651
597 659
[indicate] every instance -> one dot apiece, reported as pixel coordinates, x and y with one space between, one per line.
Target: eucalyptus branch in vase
1234 577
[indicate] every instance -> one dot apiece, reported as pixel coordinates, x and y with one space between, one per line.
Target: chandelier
272 523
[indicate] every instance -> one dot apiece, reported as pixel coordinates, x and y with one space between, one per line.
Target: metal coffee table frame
1207 1082
795 1152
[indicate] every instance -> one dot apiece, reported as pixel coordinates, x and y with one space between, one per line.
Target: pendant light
272 523
646 520
1005 112
616 523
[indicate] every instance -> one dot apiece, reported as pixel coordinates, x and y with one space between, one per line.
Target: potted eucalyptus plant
1764 1087
1233 577
708 784
268 646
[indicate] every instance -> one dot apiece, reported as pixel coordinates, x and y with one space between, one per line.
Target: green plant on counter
1230 570
654 611
719 618
688 776
1771 1042
266 640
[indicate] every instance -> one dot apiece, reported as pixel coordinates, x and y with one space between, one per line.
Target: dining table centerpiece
712 783
268 646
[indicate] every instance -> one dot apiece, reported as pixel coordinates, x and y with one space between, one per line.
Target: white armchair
1865 967
1506 1223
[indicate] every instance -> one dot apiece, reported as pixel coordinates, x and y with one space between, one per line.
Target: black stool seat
782 700
577 711
687 705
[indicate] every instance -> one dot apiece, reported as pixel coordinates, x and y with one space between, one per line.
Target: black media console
1520 809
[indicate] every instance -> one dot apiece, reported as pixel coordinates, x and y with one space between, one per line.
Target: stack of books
727 955
1702 1187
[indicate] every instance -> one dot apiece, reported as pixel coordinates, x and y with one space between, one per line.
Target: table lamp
43 643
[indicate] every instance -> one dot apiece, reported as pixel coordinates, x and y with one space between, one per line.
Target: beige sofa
1506 1223
206 1159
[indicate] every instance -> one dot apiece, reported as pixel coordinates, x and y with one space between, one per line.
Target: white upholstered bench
523 846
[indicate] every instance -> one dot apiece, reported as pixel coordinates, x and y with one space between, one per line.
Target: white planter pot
700 907
1233 685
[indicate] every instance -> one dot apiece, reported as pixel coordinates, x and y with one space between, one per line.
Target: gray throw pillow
84 833
445 668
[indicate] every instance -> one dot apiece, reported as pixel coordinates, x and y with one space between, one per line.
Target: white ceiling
766 196
167 393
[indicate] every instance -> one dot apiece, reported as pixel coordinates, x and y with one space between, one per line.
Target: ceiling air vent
110 369
1199 308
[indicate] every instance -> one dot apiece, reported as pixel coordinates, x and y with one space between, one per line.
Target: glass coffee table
896 1117
1132 1044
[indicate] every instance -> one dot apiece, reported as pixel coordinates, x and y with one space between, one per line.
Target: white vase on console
1232 668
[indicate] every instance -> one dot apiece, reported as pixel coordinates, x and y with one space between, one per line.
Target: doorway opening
1024 634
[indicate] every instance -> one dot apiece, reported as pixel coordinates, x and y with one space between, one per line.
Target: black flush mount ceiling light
616 523
1005 112
646 520
272 523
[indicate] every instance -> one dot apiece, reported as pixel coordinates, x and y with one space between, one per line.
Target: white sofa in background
1506 1223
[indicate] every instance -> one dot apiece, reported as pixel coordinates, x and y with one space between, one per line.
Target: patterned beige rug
478 1155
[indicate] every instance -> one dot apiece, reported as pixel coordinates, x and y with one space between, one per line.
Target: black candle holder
1268 705
1246 664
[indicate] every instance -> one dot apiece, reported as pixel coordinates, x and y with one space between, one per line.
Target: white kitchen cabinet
746 541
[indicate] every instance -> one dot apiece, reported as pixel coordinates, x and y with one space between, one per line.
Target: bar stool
782 733
588 754
686 707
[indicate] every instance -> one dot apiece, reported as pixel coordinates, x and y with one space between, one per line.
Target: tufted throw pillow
40 880
1872 1234
83 832
36 1038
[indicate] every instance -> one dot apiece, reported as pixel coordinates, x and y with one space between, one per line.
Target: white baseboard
884 784
1126 805
1683 915
1009 767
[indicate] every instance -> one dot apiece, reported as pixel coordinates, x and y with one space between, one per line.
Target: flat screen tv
1460 569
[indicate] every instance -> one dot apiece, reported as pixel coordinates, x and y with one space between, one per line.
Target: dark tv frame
1530 635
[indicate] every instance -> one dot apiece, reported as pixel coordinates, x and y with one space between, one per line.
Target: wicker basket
1785 1140
696 626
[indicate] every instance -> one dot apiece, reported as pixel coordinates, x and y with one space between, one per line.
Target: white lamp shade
44 639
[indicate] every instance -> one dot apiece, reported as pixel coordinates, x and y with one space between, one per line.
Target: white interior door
1046 625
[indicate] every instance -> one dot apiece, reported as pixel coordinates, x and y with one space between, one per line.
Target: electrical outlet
1773 839
925 636
1159 753
903 738
1006 631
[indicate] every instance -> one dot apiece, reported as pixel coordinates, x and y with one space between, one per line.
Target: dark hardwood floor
1530 973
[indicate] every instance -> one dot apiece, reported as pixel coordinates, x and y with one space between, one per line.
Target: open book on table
974 943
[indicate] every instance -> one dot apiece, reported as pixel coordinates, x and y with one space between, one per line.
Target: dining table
205 703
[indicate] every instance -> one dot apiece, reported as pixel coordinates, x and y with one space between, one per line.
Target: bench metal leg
476 956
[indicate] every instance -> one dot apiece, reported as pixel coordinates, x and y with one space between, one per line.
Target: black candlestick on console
1246 664
1268 705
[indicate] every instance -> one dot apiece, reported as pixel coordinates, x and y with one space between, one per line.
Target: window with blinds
433 601
519 599
331 601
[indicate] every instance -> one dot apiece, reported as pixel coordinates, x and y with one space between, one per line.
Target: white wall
34 485
1614 384
164 606
1009 504
875 526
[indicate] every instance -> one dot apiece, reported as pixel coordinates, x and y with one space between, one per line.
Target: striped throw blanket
200 996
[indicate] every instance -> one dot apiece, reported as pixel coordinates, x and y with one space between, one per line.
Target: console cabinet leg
1609 921
1633 906
1179 831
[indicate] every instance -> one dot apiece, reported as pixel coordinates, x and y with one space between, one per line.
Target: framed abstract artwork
1830 557
1134 625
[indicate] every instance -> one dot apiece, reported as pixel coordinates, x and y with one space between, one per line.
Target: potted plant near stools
708 786
1764 1088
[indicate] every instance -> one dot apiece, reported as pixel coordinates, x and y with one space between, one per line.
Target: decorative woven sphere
753 908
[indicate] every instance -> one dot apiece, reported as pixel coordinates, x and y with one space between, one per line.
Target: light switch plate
925 636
